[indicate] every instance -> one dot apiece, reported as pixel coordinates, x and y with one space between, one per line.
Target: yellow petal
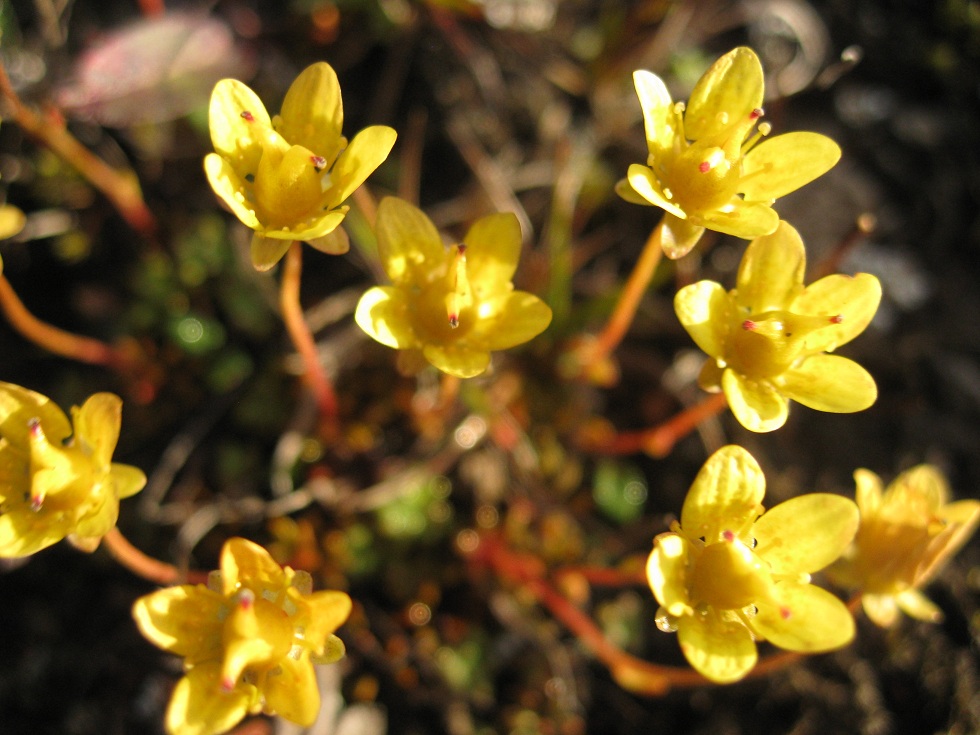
882 610
726 495
805 533
312 113
19 406
628 193
127 480
755 403
458 360
320 225
771 273
678 236
720 650
667 573
703 310
784 163
727 92
229 186
335 242
709 378
267 251
384 313
745 219
408 243
236 137
184 620
199 706
918 486
493 247
243 561
291 692
328 610
854 299
365 153
97 424
916 605
803 618
657 110
24 532
829 383
646 184
99 521
521 317
868 492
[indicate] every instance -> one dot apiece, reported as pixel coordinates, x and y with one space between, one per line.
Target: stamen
729 536
681 137
837 319
246 598
461 287
749 326
785 613
248 116
227 684
756 113
763 130
704 167
319 162
34 426
37 501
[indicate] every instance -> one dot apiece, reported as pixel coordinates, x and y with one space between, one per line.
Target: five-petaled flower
52 487
286 177
766 339
725 576
704 167
456 305
906 534
249 641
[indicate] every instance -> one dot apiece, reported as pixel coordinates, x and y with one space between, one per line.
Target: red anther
248 116
461 249
227 684
728 536
34 425
837 319
785 613
319 162
245 599
748 325
704 167
36 502
453 320
756 113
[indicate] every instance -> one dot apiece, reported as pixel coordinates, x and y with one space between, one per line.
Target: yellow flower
725 576
766 339
457 305
704 167
249 641
286 177
51 488
906 534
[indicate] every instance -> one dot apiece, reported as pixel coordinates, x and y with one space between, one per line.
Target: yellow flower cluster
907 533
57 477
286 177
730 574
249 640
705 167
768 338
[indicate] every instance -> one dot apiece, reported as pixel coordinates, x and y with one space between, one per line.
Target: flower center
288 186
445 310
768 344
704 175
728 576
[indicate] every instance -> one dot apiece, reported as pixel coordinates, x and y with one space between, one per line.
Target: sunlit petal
771 273
384 313
720 650
726 495
805 533
755 403
408 243
237 120
667 573
727 92
646 184
854 299
703 309
829 383
803 618
786 162
743 219
230 188
458 360
291 692
366 152
199 706
312 113
493 247
657 110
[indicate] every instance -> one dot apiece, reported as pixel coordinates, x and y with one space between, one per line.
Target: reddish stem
150 569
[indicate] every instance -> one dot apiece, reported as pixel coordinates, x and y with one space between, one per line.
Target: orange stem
299 332
120 187
659 440
629 300
150 569
53 339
